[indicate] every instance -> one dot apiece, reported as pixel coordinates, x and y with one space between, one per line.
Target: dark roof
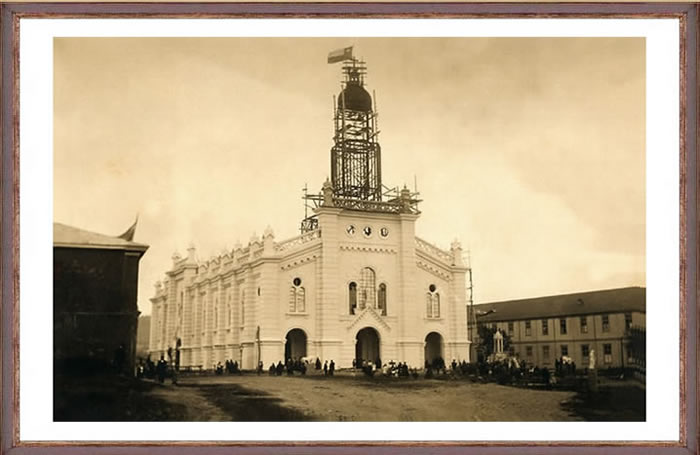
355 98
592 302
65 236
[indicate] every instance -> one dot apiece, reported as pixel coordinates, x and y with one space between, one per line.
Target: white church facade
356 285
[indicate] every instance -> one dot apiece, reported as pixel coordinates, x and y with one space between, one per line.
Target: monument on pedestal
592 373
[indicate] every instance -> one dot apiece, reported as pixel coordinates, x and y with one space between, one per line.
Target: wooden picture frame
12 13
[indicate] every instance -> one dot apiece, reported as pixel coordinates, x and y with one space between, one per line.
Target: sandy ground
348 398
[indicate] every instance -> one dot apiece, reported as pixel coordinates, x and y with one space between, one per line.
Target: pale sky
530 151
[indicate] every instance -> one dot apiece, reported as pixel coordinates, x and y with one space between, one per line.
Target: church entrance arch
433 348
367 346
295 347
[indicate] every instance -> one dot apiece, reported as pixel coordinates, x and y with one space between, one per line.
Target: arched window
216 314
229 316
432 302
301 299
368 296
179 308
297 297
242 307
352 297
381 298
292 299
198 315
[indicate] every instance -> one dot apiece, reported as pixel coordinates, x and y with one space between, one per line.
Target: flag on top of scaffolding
340 55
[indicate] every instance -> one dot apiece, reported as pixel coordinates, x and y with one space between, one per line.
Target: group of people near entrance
297 365
229 366
162 369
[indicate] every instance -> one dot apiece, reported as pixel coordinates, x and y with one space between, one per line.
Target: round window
432 288
367 231
297 281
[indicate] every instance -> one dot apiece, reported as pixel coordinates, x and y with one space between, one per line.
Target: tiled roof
70 237
580 303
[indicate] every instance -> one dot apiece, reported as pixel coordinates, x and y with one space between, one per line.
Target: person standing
331 369
161 369
325 368
119 357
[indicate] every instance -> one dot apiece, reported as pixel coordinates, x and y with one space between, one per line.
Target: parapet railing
433 250
298 240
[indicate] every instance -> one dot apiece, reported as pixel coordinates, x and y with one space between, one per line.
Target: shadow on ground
378 381
110 398
614 403
245 405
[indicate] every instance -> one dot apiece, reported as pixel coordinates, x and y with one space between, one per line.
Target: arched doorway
433 348
367 346
295 347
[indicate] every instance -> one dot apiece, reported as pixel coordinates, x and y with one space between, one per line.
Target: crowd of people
146 368
504 371
300 366
229 366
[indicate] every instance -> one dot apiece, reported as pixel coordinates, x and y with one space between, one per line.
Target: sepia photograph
349 229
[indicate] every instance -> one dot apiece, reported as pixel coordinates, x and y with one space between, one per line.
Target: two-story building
543 329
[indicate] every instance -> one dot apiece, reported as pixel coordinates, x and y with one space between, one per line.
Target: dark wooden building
95 299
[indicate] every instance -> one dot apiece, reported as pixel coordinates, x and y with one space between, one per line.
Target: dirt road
347 398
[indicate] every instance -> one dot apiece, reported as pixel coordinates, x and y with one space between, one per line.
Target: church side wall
305 267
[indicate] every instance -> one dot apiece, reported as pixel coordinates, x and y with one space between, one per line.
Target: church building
356 284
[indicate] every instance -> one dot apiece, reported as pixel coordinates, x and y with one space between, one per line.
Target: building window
198 316
352 297
606 323
628 321
528 351
584 351
564 350
368 296
242 307
216 314
510 328
528 328
545 327
562 326
545 353
297 297
584 324
301 299
291 308
607 354
432 303
381 298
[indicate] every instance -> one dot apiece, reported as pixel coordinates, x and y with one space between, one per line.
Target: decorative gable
369 316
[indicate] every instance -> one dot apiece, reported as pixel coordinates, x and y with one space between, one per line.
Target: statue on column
498 345
327 191
592 373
